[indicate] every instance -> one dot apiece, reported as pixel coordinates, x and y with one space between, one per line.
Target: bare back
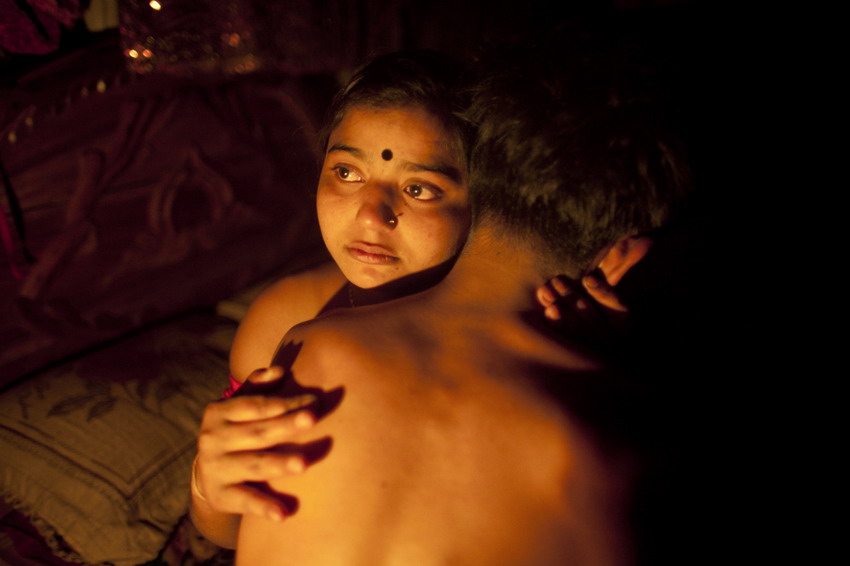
441 453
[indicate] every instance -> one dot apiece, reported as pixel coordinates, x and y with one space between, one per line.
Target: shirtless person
451 426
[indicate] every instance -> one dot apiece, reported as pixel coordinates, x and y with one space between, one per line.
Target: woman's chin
369 277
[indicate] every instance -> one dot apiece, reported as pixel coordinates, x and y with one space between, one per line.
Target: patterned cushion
98 451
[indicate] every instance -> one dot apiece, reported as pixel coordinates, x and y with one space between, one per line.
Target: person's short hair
573 150
424 79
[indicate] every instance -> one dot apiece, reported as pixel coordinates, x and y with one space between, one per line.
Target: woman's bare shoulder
285 303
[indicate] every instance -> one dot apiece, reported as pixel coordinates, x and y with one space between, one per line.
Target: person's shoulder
284 304
339 344
339 328
307 290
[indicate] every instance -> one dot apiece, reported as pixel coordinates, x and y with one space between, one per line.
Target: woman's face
392 197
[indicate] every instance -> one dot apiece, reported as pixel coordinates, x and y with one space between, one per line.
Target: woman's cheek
458 227
329 216
329 203
445 235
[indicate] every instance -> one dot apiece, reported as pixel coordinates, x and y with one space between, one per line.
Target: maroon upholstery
145 197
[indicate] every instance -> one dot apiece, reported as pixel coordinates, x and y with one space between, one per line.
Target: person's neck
408 285
494 273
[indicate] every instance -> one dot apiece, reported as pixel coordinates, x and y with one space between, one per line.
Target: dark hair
572 150
422 78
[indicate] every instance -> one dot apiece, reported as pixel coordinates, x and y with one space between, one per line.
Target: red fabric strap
232 388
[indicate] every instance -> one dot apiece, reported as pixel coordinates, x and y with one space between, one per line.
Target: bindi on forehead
387 154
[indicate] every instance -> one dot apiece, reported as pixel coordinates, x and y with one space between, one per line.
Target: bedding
97 450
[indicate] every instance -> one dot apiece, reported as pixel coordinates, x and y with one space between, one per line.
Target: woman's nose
377 207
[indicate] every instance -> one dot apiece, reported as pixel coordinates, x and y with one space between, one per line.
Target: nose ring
392 221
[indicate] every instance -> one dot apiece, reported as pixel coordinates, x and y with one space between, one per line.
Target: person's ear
622 256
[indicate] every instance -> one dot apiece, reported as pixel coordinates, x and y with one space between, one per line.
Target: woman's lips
374 254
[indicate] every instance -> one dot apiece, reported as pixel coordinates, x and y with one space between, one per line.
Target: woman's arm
236 433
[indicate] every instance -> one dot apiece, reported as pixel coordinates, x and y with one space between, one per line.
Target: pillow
98 451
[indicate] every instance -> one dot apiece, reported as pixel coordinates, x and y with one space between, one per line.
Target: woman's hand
235 447
594 312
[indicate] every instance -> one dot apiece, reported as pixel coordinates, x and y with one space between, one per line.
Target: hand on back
235 449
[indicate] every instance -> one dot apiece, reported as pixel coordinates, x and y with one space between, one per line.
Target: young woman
393 211
391 200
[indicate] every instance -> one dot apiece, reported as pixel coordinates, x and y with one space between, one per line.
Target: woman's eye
347 174
423 192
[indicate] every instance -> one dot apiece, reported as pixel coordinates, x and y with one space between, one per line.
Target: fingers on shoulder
553 293
257 466
261 434
238 477
255 407
252 435
603 293
245 499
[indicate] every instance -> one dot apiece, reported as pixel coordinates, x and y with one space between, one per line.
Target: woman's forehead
397 133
